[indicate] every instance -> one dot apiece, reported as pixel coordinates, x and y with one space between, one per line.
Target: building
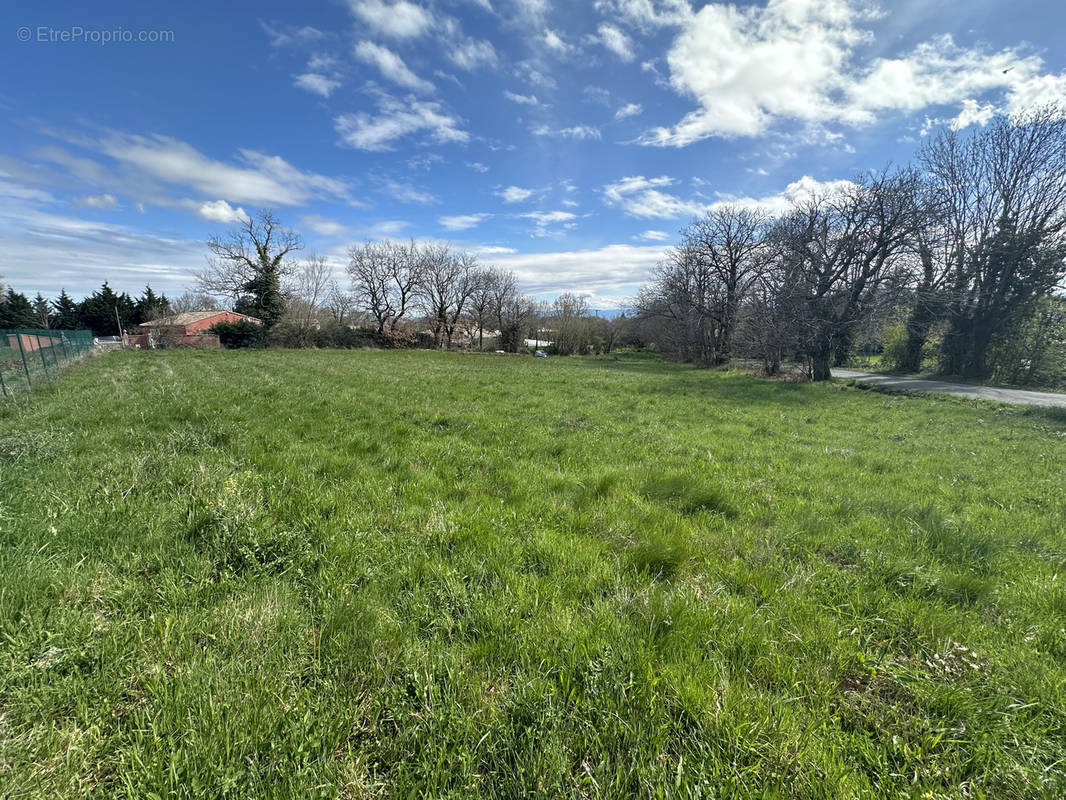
191 323
187 329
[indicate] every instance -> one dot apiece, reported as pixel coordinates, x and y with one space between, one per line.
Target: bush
335 335
238 334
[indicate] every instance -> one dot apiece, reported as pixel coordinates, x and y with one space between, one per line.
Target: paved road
903 384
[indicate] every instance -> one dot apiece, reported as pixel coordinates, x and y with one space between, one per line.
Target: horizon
567 144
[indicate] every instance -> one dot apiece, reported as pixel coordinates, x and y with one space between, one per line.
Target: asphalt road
904 384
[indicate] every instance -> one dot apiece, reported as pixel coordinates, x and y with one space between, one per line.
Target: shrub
238 334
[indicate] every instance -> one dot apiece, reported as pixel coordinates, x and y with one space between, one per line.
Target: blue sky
566 141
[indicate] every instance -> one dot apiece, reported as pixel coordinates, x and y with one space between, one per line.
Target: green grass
407 574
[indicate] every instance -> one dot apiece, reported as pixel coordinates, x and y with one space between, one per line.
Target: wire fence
29 356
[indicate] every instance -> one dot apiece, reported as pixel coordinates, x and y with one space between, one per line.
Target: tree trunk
821 355
921 320
966 347
842 349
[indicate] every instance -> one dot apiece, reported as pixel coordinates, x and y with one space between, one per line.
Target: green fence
28 356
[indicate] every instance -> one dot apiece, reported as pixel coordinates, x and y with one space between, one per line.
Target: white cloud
221 211
638 196
471 54
323 226
293 36
257 178
385 229
795 192
597 94
514 194
12 189
616 41
555 42
399 20
646 14
396 120
406 193
1037 91
477 166
391 66
522 99
531 9
534 76
575 132
549 217
973 113
546 219
613 268
629 110
102 201
653 236
937 72
748 67
316 84
462 222
46 252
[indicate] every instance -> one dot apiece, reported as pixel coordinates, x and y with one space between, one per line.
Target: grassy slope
295 574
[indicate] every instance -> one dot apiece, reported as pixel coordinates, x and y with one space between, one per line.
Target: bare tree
339 303
385 279
683 295
570 324
194 301
932 256
369 270
482 302
729 245
310 286
448 280
513 312
248 264
838 252
1002 195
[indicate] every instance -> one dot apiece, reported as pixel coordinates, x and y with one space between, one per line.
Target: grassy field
408 574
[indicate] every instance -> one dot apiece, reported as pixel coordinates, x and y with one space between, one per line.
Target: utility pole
121 336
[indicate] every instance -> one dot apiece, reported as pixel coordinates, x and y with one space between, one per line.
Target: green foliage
151 306
16 311
65 312
238 334
101 311
304 574
1034 353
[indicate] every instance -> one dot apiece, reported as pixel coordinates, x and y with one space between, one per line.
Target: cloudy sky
568 141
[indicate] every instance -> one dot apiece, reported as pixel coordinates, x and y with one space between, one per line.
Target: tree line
398 294
965 251
101 312
956 260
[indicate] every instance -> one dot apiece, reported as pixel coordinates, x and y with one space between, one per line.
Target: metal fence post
52 349
3 387
25 366
40 352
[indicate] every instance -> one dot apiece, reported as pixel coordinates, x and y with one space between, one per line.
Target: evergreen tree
16 311
97 311
151 306
42 312
65 316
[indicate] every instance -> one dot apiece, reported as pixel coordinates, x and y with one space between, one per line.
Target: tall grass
362 574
